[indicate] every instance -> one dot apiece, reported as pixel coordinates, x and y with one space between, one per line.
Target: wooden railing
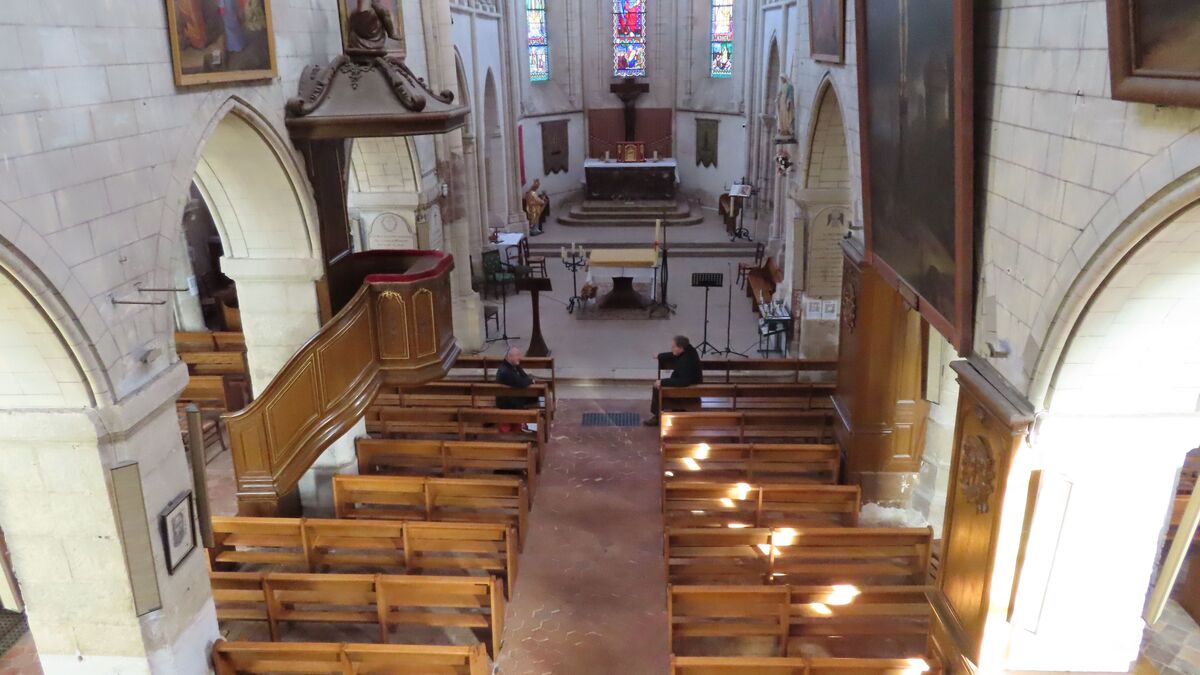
396 329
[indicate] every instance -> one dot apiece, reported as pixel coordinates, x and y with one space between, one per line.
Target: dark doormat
12 627
611 419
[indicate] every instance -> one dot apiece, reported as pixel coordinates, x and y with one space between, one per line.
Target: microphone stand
729 320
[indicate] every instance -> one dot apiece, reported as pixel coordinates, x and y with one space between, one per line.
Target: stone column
188 314
68 556
815 259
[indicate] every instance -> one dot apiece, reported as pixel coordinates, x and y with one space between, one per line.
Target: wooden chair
762 282
313 658
491 315
744 268
535 263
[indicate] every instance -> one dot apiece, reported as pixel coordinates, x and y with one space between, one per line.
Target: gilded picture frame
211 45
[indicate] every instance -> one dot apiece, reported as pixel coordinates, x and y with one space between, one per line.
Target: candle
563 252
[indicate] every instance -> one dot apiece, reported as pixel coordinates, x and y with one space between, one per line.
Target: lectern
535 285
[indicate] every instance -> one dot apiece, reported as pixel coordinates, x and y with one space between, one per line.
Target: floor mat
12 627
611 419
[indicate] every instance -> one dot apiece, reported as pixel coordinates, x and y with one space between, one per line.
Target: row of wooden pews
425 538
768 570
218 379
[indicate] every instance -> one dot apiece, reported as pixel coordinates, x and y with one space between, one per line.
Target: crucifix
628 90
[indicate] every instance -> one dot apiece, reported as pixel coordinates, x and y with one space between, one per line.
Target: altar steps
629 214
717 249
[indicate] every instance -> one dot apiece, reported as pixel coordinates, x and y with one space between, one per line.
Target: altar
652 179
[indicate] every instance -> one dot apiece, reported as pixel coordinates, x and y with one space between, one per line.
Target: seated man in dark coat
687 372
511 374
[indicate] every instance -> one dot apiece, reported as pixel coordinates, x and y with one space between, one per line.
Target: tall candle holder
574 259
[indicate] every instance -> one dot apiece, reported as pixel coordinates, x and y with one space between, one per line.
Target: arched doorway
823 216
384 193
262 213
495 163
1122 415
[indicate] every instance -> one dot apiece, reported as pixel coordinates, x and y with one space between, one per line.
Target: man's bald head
513 355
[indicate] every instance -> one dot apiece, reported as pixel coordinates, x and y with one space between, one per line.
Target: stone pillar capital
272 269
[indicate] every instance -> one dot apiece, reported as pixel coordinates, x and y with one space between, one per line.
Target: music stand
707 281
729 322
741 192
504 336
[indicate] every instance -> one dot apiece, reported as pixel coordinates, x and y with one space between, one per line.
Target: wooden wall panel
606 128
348 356
991 423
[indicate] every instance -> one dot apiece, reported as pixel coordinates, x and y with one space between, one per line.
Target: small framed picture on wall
177 524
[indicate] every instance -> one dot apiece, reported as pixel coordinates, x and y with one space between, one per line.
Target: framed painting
177 525
916 120
345 7
827 30
215 41
1154 51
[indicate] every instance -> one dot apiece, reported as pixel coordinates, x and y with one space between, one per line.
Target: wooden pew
215 363
208 392
764 463
384 546
462 394
314 658
761 370
205 341
748 426
387 456
843 622
698 504
791 396
765 665
478 368
475 500
461 424
859 556
388 601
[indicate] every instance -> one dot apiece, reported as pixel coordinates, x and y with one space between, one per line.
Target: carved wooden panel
989 428
394 331
296 406
424 323
346 357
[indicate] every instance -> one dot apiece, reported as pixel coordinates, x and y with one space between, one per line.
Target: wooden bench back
748 426
385 456
541 367
752 462
463 424
763 370
452 394
800 396
477 500
859 556
700 504
215 363
384 546
208 392
317 658
765 665
204 341
388 601
846 622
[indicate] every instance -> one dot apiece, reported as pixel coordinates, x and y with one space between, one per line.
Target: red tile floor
22 659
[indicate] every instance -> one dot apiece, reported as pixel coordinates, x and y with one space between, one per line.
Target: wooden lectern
535 285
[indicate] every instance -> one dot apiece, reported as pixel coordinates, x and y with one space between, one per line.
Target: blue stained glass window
538 40
722 39
629 38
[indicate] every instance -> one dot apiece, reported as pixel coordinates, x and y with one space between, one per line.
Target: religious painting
177 526
214 41
389 7
827 30
721 28
916 121
629 38
538 40
706 142
1154 51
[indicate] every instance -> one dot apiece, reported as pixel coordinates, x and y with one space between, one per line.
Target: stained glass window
722 39
629 38
538 40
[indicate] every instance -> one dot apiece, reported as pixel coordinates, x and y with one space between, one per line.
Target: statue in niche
785 112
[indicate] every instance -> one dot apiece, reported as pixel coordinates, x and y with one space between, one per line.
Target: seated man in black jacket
511 374
687 372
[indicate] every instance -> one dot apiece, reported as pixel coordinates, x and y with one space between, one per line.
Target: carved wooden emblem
977 475
850 298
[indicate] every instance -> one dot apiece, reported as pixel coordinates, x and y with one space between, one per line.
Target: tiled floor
591 595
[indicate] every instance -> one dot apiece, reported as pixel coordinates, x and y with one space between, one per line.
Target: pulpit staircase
395 329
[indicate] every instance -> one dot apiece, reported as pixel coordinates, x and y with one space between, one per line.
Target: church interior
529 337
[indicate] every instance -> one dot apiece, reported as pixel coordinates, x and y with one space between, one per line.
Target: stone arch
827 160
1122 413
493 149
264 212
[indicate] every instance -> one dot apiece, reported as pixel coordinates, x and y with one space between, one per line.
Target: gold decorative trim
393 296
